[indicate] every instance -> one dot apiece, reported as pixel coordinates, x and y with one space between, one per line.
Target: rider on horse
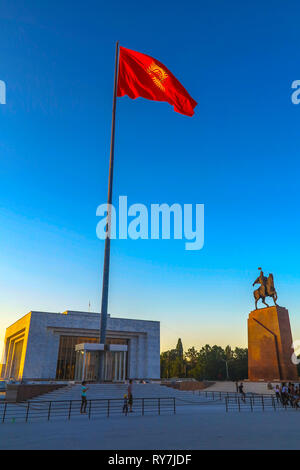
262 280
266 288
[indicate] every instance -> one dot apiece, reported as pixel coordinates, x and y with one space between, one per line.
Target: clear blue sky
239 155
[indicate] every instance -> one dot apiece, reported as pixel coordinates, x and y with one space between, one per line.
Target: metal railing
215 395
234 401
258 403
105 407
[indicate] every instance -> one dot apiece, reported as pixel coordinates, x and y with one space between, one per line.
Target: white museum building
65 346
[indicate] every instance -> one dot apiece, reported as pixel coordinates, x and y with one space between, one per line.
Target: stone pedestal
270 345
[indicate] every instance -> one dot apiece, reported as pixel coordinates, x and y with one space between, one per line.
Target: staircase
110 391
260 388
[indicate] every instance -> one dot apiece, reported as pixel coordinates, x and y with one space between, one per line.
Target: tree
238 366
179 349
208 363
167 360
191 361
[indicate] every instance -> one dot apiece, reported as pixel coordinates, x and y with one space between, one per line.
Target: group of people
288 394
128 399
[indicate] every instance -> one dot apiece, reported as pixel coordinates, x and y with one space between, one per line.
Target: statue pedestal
270 345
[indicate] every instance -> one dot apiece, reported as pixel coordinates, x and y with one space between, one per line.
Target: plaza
149 274
193 427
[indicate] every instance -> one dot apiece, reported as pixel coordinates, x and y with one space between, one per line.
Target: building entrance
88 360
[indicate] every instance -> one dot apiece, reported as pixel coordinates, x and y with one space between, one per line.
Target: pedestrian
130 396
241 390
277 393
297 397
125 405
284 394
83 398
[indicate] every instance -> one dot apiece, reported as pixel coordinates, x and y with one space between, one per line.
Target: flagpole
104 303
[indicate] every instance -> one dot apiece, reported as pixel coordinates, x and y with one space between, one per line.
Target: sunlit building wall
41 345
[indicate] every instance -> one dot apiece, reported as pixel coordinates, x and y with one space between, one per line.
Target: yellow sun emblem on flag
158 75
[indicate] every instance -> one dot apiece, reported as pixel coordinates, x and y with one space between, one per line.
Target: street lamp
227 373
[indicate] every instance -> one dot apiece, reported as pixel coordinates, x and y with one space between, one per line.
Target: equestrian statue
266 288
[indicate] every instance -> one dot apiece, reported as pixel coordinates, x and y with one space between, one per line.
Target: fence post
226 404
143 406
27 412
273 403
251 404
159 406
262 402
239 403
49 410
213 395
108 405
90 408
4 412
174 405
70 408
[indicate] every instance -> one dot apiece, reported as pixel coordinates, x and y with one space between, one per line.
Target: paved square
195 427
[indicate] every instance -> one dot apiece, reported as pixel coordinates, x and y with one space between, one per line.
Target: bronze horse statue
266 289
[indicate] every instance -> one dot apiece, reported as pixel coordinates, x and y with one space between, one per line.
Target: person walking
284 394
297 397
277 393
84 389
130 396
241 390
125 405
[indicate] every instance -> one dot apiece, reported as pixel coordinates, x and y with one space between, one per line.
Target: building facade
42 345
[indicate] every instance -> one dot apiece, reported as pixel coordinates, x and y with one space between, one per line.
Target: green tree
238 366
179 349
191 358
209 363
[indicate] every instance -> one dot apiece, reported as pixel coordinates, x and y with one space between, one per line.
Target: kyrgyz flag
141 75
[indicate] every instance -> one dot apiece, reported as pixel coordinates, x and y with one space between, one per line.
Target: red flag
141 75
